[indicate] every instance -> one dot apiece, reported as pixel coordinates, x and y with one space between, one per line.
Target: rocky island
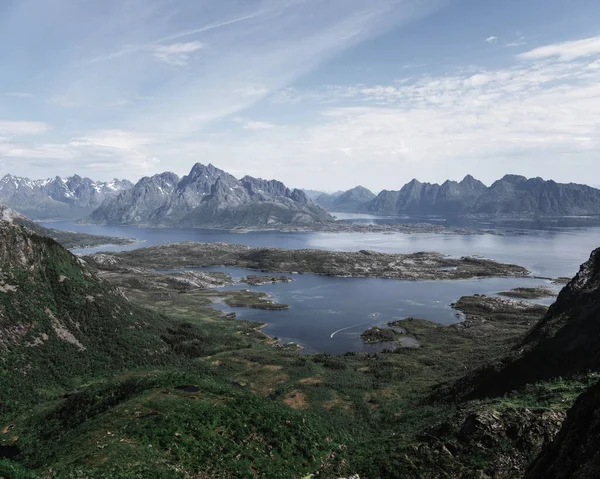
362 264
256 280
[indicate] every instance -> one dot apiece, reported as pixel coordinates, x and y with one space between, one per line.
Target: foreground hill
512 195
564 343
57 198
210 197
95 386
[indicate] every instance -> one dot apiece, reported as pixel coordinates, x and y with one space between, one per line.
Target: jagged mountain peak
208 196
515 179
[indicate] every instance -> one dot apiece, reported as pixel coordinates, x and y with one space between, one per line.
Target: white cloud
491 39
18 128
253 124
565 51
19 94
536 117
176 54
118 139
99 161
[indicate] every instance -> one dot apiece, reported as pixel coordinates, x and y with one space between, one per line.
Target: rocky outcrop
61 198
574 452
512 195
362 264
210 197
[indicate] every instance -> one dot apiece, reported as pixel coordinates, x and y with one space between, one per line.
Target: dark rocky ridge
574 452
563 343
512 195
210 197
57 198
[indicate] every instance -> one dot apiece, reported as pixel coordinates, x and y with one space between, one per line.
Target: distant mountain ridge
209 197
512 195
352 201
57 198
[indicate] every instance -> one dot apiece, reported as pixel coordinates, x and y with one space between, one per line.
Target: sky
321 94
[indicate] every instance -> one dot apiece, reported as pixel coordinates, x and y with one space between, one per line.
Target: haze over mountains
512 196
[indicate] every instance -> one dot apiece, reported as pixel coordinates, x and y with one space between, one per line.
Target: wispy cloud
18 94
539 113
152 45
253 124
491 39
101 71
176 54
565 51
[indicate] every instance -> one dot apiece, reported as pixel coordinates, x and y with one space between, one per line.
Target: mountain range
57 198
512 195
209 197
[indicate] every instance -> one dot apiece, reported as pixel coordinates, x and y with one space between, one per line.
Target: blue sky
320 94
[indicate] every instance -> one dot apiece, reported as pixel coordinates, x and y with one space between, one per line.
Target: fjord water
558 250
328 314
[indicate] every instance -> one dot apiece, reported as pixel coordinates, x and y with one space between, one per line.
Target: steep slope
563 343
353 200
68 198
138 204
574 452
58 323
512 195
210 197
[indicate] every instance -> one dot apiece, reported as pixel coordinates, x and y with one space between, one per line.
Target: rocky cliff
574 452
210 197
